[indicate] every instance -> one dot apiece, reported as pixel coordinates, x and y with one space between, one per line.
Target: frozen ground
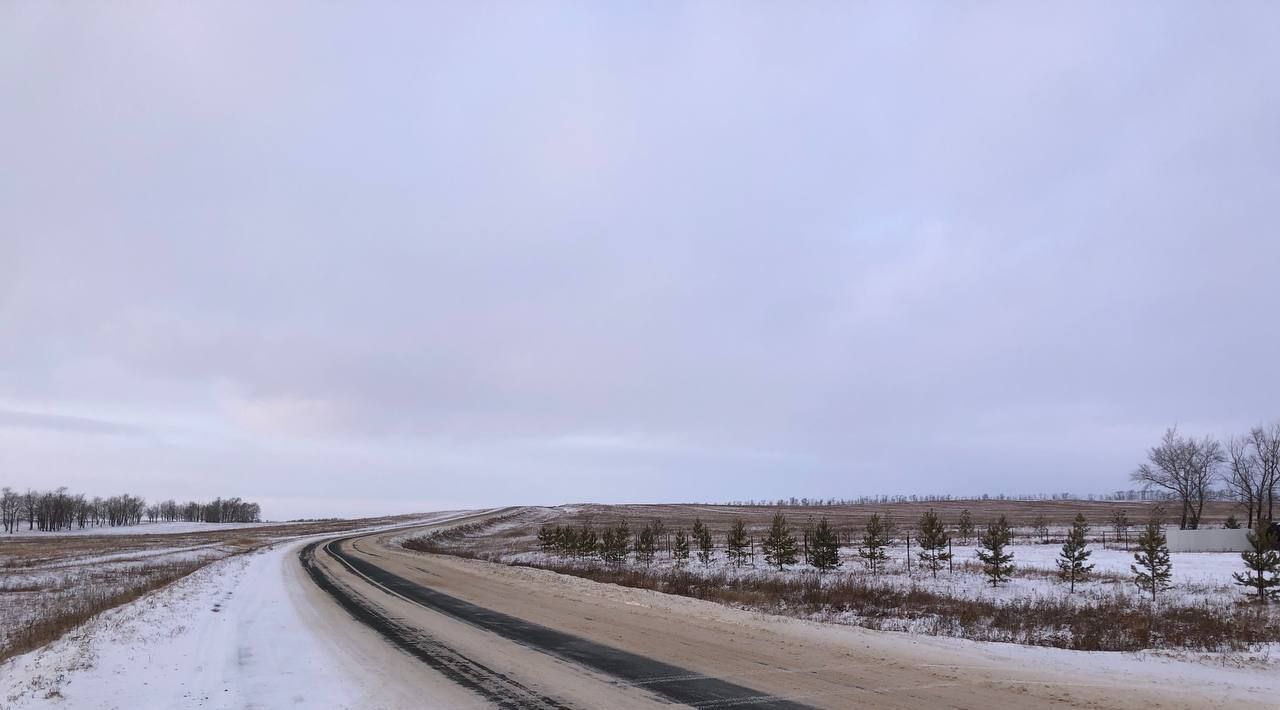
244 632
1197 576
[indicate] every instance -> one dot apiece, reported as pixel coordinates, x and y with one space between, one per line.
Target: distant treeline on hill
59 510
1129 495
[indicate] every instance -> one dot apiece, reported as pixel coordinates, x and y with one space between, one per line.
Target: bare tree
1243 477
1185 467
1266 449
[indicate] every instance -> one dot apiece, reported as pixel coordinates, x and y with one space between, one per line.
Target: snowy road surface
256 631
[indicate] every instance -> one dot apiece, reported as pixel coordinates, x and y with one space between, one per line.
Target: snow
249 631
1197 576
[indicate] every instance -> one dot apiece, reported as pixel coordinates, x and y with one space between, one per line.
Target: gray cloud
452 257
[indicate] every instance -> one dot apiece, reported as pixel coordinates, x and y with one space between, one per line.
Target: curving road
522 638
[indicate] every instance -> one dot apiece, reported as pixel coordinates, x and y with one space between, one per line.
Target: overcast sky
379 257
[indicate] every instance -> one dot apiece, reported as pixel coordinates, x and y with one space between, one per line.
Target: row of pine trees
1152 568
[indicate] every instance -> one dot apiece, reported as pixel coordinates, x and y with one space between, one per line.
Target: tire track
671 682
498 688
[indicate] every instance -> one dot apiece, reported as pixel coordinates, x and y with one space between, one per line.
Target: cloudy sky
360 258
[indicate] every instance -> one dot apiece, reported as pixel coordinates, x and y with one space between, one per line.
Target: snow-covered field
1197 576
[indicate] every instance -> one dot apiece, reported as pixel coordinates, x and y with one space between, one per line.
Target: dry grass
63 613
1115 623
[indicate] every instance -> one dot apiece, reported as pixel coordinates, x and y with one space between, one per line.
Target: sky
365 258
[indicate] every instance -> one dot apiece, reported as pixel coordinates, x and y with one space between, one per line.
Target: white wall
1222 540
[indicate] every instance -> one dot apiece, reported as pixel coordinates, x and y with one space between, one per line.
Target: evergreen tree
997 560
1262 564
1232 523
874 541
932 536
706 547
1153 569
826 547
1073 561
965 529
780 546
568 542
615 542
608 545
659 532
547 537
736 542
622 539
680 550
646 544
588 542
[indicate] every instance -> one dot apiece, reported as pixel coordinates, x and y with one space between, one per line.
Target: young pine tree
1153 569
646 544
825 547
736 543
608 545
1073 561
1231 523
680 547
933 539
997 560
875 539
965 530
706 548
695 538
1261 578
622 540
546 538
780 546
588 542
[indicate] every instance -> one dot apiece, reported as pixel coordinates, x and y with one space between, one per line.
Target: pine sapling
933 539
1261 578
993 552
874 541
736 543
680 548
706 548
646 544
965 529
588 542
1073 561
825 554
780 546
1153 569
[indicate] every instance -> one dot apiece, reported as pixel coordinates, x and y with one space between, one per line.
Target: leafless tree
1243 477
1266 449
1185 467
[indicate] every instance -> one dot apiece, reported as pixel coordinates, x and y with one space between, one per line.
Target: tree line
819 547
54 510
